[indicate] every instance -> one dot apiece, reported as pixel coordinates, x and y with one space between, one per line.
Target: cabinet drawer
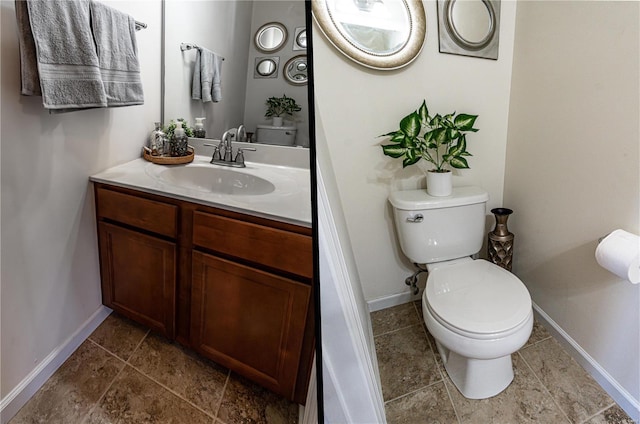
150 215
275 248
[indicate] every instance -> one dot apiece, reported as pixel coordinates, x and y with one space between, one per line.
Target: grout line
535 343
172 391
95 405
413 391
455 411
395 329
545 388
599 412
224 390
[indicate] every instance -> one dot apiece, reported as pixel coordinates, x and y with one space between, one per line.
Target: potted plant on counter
440 140
279 106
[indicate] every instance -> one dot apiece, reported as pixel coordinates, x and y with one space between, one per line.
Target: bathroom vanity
224 274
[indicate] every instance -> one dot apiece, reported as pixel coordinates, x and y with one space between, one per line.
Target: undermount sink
216 180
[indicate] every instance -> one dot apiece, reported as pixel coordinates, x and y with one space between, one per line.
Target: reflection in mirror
379 35
469 27
300 40
266 67
295 70
229 27
271 37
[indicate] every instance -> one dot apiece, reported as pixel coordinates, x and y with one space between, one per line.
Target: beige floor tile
613 415
74 389
579 396
192 377
246 403
134 398
119 335
405 361
538 334
394 318
430 405
524 401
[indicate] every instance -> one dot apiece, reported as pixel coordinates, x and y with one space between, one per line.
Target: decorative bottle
199 131
179 141
500 243
157 140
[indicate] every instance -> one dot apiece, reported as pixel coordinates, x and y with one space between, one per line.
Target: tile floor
549 386
124 374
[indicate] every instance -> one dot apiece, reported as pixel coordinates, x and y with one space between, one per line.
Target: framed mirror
295 70
300 39
266 67
270 37
469 27
379 35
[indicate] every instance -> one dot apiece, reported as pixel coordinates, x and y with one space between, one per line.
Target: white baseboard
622 397
18 397
392 300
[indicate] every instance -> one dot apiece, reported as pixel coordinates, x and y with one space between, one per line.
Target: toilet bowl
478 313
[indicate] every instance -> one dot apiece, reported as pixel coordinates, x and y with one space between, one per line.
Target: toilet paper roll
619 253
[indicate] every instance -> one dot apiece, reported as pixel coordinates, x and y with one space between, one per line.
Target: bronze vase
500 245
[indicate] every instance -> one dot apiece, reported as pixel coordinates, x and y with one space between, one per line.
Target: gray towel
115 37
67 61
28 61
207 76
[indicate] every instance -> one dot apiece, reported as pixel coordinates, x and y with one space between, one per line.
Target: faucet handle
240 156
216 151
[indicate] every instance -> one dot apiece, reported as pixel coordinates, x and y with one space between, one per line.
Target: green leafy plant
170 129
438 139
278 106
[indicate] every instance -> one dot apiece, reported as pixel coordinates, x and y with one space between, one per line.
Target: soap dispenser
179 141
199 130
157 140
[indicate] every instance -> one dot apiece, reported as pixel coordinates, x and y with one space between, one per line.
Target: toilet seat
477 299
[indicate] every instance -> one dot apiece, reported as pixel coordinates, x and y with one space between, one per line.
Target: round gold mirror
270 37
381 35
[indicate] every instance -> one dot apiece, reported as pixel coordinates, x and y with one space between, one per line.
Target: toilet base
477 378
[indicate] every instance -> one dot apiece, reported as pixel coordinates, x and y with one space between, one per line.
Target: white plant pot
439 184
277 121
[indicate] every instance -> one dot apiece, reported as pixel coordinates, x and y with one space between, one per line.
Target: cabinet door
248 320
138 276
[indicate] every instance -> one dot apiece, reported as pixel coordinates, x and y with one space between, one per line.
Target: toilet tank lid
412 200
271 127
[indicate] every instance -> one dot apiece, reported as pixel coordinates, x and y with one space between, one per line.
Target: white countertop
289 202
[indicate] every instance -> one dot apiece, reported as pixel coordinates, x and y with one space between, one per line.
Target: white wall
573 170
292 15
50 279
358 104
219 26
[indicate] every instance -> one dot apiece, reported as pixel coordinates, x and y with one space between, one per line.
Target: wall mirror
266 67
381 35
295 70
248 76
271 37
300 39
469 27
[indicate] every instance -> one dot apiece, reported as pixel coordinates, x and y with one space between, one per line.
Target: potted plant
440 140
278 106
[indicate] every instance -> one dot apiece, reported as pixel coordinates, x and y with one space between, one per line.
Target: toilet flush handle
417 218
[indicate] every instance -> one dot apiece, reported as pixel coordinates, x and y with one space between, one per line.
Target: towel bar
189 46
140 25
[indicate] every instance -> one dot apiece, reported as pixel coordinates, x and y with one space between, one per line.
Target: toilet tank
282 136
451 227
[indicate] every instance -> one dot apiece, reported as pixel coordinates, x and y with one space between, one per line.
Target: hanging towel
67 62
207 73
117 50
30 81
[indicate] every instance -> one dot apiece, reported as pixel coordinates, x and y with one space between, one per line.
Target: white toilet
478 313
281 136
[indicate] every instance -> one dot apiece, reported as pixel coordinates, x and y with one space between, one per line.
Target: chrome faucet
223 152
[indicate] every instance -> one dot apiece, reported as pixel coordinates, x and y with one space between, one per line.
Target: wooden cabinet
233 287
249 320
